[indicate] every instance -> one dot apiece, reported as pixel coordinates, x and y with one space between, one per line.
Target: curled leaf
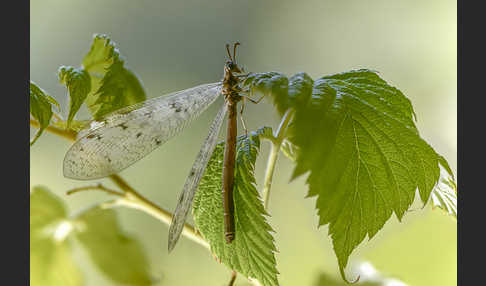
78 83
40 108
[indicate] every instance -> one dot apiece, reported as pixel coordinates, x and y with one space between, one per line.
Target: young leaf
51 262
273 83
101 54
40 108
120 256
78 82
119 88
252 251
356 136
444 196
113 85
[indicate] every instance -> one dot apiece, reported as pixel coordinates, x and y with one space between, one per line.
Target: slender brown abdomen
229 171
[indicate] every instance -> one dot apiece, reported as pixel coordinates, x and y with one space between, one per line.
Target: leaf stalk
276 142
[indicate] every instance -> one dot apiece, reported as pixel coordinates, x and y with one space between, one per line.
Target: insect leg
243 75
243 103
229 54
255 101
249 92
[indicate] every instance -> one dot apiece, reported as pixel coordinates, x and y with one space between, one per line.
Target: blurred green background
174 45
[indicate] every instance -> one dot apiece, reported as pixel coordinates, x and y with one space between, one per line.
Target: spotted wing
192 181
125 136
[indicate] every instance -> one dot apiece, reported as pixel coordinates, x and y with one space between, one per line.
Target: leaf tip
343 275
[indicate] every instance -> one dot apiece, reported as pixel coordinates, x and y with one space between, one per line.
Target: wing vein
125 136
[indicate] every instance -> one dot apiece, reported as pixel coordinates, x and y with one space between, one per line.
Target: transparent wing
192 181
125 136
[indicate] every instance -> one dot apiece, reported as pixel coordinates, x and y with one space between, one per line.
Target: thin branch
137 201
98 187
122 184
68 134
166 217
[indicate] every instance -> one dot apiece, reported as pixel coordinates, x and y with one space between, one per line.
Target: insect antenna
234 51
229 54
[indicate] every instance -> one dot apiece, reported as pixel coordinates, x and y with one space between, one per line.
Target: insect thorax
231 88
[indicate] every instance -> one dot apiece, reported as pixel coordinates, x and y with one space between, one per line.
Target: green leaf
273 83
252 251
120 256
444 196
45 209
119 88
51 262
78 82
40 108
366 158
101 55
113 84
356 136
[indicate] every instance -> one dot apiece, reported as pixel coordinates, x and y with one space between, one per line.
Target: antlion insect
123 137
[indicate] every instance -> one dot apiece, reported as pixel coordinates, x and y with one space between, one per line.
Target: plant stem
68 134
271 162
273 156
99 187
140 203
137 201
